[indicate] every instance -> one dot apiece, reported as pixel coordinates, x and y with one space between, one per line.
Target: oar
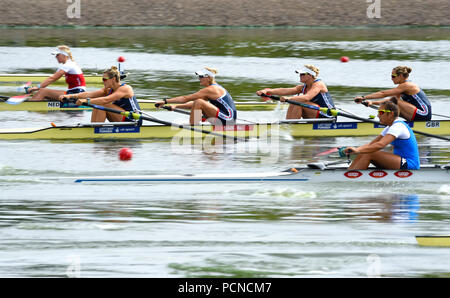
332 150
15 100
172 109
322 113
334 112
324 164
136 116
375 107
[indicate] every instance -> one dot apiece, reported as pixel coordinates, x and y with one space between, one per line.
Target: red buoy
121 59
345 59
125 154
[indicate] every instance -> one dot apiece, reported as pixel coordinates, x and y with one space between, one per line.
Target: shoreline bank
247 13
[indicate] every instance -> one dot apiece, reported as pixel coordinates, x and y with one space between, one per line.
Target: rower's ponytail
214 71
315 69
66 49
402 70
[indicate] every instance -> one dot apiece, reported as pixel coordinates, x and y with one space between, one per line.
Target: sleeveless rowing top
406 148
225 104
127 103
421 102
323 99
74 75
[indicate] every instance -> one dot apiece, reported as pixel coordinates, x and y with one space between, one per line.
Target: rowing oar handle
270 96
70 99
169 108
328 113
365 103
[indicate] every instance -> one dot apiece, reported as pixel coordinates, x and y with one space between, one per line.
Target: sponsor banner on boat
117 129
378 174
336 125
237 127
353 174
403 174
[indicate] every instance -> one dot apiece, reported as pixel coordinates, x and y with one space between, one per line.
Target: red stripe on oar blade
328 152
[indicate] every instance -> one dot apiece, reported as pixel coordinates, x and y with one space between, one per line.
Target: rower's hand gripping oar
325 164
137 116
15 100
172 109
326 112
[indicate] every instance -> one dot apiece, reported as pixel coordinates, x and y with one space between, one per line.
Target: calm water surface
55 228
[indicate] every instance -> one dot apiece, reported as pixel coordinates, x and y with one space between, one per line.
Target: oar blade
15 100
332 150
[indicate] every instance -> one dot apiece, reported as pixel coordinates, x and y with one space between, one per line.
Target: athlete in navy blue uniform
114 94
213 102
312 92
398 134
413 102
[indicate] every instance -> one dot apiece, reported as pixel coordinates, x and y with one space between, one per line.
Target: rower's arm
204 94
90 94
386 93
315 89
53 78
377 144
124 91
281 91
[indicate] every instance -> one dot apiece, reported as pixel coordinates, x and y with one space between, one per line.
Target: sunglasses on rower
381 112
105 79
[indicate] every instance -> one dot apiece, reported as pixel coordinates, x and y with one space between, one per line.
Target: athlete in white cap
213 102
313 91
68 68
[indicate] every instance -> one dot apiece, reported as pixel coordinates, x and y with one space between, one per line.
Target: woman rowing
313 91
412 101
398 133
114 94
69 69
213 101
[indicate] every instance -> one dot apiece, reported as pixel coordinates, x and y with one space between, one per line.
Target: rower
68 68
114 95
398 133
412 101
213 101
313 91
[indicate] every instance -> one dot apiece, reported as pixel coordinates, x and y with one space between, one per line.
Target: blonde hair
66 49
402 70
313 68
113 72
214 71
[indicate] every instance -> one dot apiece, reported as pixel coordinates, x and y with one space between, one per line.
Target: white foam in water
444 189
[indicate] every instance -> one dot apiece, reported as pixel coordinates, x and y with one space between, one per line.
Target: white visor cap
58 51
306 70
205 72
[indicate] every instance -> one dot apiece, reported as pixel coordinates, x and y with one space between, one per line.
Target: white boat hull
329 175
